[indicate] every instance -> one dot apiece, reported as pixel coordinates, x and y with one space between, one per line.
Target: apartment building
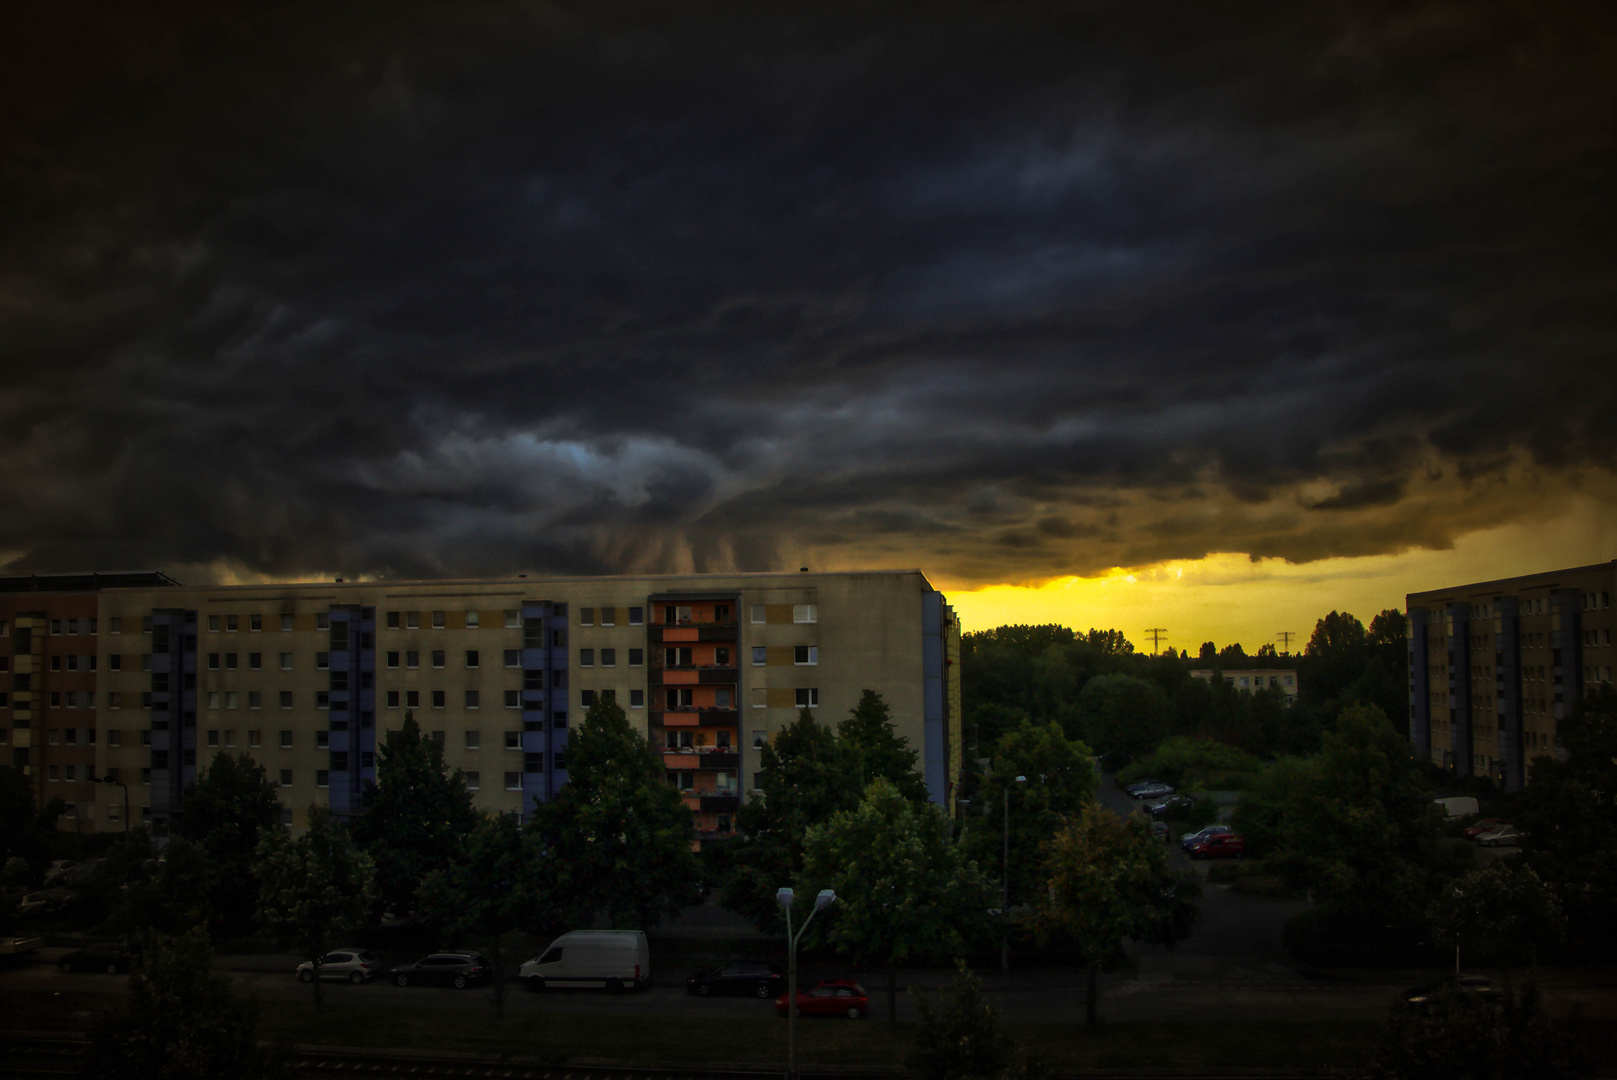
1493 666
1255 680
49 659
309 677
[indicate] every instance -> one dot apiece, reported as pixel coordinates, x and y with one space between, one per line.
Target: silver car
339 965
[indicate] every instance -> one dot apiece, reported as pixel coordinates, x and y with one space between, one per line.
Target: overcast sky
1005 291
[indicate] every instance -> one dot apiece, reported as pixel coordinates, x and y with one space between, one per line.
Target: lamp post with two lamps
784 898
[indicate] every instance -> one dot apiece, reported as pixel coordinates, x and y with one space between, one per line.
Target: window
412 699
805 613
286 699
115 737
806 654
286 661
471 658
392 659
474 780
286 777
213 739
471 620
115 662
437 658
213 624
230 699
513 740
322 740
586 658
808 697
392 699
286 623
637 699
759 614
586 616
230 661
255 661
474 740
760 656
513 781
760 738
286 739
438 699
472 698
255 739
609 657
322 778
230 738
255 699
513 658
513 620
412 659
213 699
213 661
513 699
637 616
609 616
586 698
322 661
255 622
115 625
637 658
392 620
412 620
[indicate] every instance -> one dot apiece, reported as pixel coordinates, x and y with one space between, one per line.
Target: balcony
694 717
689 631
692 674
700 758
719 804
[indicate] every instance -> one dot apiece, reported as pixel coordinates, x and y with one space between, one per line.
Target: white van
614 959
1458 806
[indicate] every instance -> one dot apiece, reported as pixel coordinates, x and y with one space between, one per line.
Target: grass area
1135 1046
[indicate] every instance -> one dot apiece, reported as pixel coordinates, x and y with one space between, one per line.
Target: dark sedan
109 956
743 977
459 970
1172 806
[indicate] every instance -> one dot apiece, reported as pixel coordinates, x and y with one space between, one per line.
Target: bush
1184 761
1463 1037
962 1042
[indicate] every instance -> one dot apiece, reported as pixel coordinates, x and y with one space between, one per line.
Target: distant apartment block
1493 666
1256 679
144 681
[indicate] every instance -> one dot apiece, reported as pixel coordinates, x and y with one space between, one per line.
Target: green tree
1060 783
904 891
1356 823
1459 1036
495 887
1107 880
25 830
805 775
418 815
617 835
1123 716
180 1022
963 1040
226 810
1569 815
867 733
313 888
1502 911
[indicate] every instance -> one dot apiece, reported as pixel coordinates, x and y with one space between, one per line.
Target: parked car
614 960
1219 846
457 969
1138 784
1480 987
54 873
113 957
830 997
1152 791
1471 832
347 964
1159 829
1505 835
1172 805
1199 835
742 977
46 901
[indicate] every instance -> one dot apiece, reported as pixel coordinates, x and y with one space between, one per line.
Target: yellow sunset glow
1229 597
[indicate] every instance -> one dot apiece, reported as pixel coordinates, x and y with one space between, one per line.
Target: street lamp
1005 886
784 898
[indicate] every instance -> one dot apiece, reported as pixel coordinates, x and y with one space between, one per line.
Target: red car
1485 825
830 997
1219 846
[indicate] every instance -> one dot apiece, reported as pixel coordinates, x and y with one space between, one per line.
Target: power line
1156 633
1285 636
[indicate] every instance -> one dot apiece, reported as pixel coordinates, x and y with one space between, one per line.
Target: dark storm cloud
1002 290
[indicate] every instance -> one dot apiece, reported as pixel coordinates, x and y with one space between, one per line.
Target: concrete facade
307 678
1493 666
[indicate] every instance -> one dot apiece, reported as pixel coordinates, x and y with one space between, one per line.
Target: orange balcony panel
675 678
677 719
693 802
681 761
682 633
